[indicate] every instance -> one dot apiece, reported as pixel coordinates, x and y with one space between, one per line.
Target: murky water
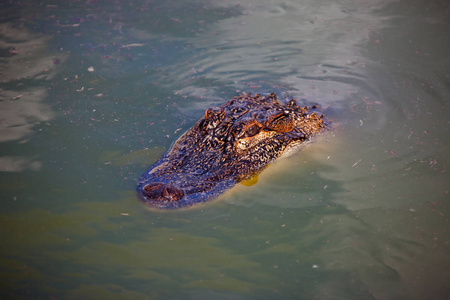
93 92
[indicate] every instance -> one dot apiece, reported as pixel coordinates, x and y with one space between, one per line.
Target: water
93 92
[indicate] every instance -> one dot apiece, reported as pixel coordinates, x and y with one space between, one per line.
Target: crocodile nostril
158 191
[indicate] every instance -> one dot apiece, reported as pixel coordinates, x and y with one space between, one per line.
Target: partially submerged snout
229 144
161 192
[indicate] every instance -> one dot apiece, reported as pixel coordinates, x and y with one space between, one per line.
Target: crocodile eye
252 130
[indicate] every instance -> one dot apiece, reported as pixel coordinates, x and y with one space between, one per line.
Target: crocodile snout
157 191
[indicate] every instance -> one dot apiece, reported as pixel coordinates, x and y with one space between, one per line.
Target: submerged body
231 143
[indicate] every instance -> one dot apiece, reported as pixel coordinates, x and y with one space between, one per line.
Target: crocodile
230 144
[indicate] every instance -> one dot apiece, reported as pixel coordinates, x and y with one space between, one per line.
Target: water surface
94 92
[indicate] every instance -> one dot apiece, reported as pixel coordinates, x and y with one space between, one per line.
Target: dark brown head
230 143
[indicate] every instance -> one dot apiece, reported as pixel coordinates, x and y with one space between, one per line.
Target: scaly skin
231 143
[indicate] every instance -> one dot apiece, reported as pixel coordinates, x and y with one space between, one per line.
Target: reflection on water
93 92
25 65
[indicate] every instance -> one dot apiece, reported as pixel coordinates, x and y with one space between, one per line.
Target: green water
93 92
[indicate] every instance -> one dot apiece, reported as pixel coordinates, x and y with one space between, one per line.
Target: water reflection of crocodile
230 144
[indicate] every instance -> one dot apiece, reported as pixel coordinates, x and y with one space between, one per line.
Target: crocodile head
231 143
